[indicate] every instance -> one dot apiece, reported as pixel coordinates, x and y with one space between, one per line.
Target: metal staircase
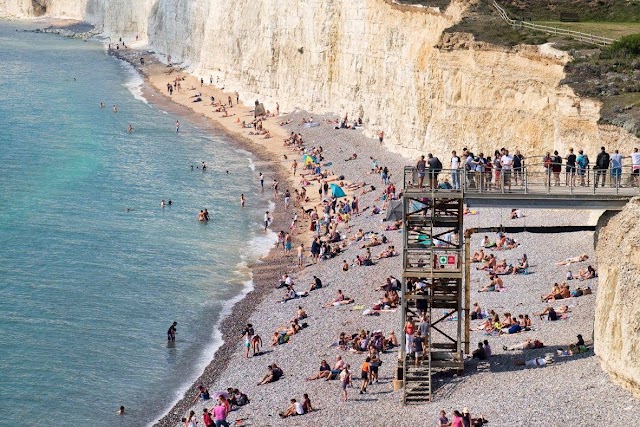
432 284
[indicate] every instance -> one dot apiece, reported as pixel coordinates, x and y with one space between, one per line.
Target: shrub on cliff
626 46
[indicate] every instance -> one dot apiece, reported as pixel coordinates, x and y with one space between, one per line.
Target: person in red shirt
206 418
408 333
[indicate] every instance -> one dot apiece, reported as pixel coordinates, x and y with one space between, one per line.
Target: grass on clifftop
587 10
612 30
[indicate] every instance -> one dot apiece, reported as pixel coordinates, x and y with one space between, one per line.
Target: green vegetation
626 47
612 30
587 10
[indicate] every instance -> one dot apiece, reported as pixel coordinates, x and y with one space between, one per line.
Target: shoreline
264 272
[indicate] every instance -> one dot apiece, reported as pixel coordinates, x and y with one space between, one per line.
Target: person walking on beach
287 244
177 126
345 380
300 254
171 333
261 178
220 413
287 199
248 334
294 166
366 375
274 186
237 98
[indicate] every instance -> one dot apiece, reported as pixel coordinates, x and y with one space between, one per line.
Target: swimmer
101 104
115 109
130 128
242 200
120 410
169 202
204 166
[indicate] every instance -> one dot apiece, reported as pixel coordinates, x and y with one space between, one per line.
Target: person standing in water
267 220
242 200
130 128
115 109
177 126
171 333
261 177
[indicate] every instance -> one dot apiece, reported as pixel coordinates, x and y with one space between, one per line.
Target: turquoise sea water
87 287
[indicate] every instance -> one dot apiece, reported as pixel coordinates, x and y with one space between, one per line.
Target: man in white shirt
507 164
455 171
635 166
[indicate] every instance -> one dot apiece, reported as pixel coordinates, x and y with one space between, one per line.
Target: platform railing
532 178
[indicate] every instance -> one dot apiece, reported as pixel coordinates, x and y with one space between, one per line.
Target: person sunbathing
501 267
323 372
563 294
523 265
397 225
478 256
561 310
527 344
387 253
289 294
274 374
340 299
586 274
574 259
391 341
489 264
495 284
555 291
295 408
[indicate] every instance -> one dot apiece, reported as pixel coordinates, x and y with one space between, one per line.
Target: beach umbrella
394 211
337 191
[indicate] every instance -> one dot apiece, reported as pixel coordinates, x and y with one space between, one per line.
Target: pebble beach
571 390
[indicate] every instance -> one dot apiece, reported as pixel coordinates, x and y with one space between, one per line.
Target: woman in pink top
220 415
457 419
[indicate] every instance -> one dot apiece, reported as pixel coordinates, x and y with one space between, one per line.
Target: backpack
583 161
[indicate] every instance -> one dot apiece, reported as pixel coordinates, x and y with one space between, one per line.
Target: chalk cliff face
389 64
617 325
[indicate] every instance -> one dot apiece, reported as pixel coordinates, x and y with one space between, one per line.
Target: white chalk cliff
385 62
617 323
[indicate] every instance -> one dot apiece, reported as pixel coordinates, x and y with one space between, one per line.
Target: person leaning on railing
602 164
